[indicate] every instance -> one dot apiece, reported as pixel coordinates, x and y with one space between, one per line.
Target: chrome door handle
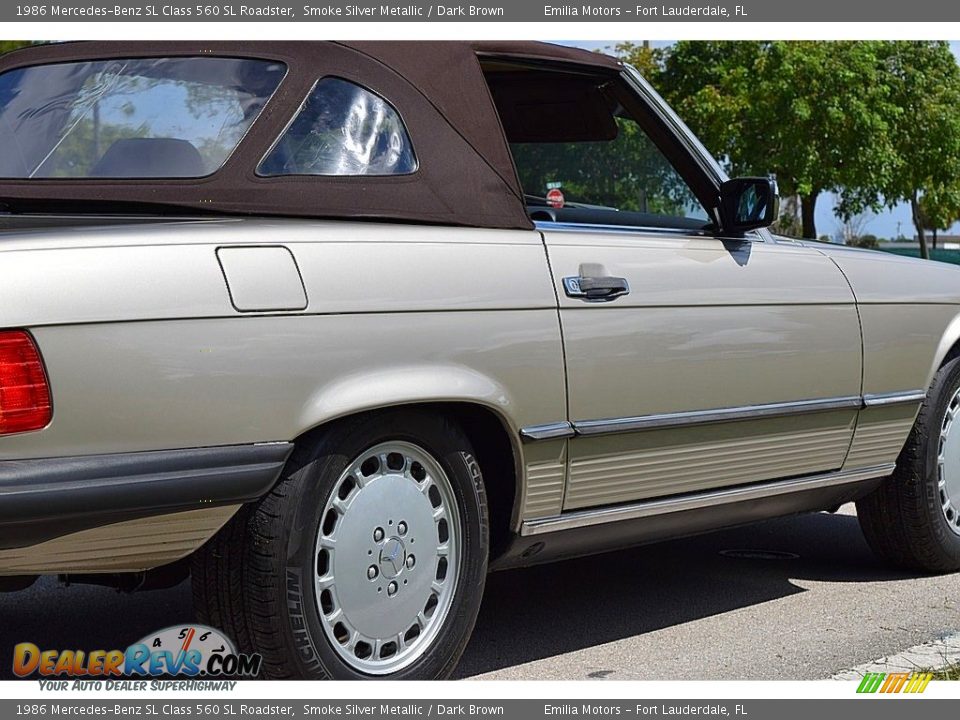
596 289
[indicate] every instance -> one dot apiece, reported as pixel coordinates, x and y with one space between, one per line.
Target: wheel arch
947 349
495 441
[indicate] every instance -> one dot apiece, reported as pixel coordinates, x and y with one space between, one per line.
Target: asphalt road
677 610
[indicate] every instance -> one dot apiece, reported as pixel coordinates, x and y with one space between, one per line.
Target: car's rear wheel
912 520
369 557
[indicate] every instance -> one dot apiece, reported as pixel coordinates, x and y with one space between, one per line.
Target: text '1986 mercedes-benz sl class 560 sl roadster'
337 328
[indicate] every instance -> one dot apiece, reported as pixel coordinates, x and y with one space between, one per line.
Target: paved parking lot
678 610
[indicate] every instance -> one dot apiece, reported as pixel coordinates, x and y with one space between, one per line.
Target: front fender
948 340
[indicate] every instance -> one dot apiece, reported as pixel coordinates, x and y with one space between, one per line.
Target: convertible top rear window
130 118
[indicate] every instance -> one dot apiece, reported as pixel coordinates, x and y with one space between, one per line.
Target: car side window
342 129
616 181
583 159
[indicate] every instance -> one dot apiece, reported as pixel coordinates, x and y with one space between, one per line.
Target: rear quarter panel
145 350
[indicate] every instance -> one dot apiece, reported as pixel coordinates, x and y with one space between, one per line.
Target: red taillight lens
24 391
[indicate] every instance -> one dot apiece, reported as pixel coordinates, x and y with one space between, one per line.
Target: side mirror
747 204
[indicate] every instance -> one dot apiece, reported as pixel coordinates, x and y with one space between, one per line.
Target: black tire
902 520
216 577
255 578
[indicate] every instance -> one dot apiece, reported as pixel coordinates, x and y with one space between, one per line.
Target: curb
928 656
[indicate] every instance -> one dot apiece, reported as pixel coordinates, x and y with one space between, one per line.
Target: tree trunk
808 214
934 238
918 224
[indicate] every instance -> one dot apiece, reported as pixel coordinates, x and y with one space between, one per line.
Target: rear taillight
24 391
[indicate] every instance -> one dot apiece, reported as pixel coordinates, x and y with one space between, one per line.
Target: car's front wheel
913 519
369 557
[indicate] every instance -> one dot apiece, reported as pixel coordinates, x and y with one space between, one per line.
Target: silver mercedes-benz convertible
337 328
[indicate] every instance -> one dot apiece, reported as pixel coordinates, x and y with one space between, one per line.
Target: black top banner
482 11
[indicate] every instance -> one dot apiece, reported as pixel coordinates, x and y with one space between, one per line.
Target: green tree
815 114
926 91
11 45
648 60
939 208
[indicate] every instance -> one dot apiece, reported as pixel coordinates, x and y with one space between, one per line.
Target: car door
725 363
694 362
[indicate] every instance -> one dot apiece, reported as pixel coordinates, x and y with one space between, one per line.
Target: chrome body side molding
894 398
702 417
725 496
550 431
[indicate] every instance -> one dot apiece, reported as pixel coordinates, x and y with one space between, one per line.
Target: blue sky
885 224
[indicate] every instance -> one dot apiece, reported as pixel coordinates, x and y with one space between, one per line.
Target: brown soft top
465 175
